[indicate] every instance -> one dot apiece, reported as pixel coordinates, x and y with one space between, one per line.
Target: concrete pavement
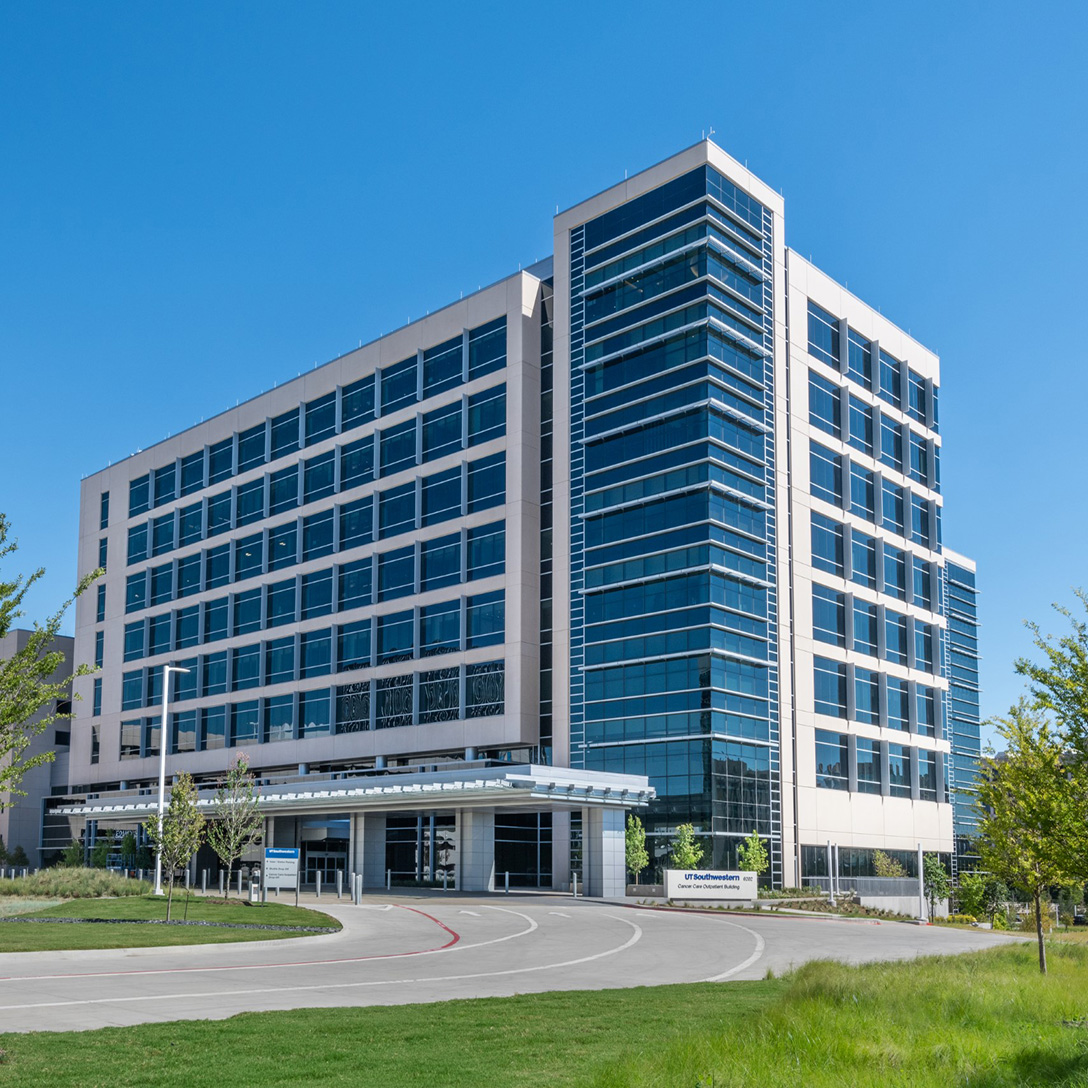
398 949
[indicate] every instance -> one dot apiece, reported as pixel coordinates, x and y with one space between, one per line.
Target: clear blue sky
199 200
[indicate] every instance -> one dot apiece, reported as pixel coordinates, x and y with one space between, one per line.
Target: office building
653 526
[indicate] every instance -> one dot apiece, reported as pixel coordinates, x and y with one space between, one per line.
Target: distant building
652 525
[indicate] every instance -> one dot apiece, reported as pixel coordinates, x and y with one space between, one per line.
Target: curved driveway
401 951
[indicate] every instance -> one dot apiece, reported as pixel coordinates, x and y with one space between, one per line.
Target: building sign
710 884
280 867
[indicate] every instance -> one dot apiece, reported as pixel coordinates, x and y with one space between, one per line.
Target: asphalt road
410 950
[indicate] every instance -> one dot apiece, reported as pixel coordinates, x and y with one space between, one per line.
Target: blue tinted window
828 616
893 508
245 722
487 348
139 495
487 415
354 590
283 490
442 366
245 667
247 612
314 713
281 603
214 673
826 474
357 463
889 380
282 546
137 543
832 760
397 510
396 573
165 484
357 403
398 385
320 418
220 460
158 634
316 594
251 447
213 727
132 690
190 524
827 548
186 627
440 562
824 407
868 758
217 566
440 628
248 556
353 645
919 459
861 426
486 483
923 594
862 493
865 628
285 434
319 476
866 699
487 550
823 335
891 444
215 619
441 498
317 535
134 640
916 405
279 718
898 770
863 560
830 687
357 523
398 447
860 360
442 432
895 572
250 506
280 660
315 653
485 620
189 575
895 637
162 583
219 513
395 636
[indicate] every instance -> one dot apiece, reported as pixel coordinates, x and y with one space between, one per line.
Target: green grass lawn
20 937
987 1020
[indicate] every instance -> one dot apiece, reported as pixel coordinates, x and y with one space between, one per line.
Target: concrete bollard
388 880
317 883
359 890
445 874
339 883
220 881
186 879
139 874
239 883
203 881
507 888
575 876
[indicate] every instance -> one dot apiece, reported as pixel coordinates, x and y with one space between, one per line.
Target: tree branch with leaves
27 678
179 836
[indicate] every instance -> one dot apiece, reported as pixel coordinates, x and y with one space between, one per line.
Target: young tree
752 856
18 858
181 832
887 867
100 853
72 855
27 686
994 897
936 882
971 894
236 820
1032 811
635 843
686 851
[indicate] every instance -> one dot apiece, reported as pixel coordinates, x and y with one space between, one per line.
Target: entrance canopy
505 786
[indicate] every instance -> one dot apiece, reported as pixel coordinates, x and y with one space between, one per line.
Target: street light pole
166 671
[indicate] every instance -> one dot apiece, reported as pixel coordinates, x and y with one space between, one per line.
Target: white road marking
632 940
559 914
372 906
474 914
761 944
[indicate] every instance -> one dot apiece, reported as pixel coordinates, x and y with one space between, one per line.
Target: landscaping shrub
62 883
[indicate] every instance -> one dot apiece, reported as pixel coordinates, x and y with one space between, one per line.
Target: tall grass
61 883
988 1020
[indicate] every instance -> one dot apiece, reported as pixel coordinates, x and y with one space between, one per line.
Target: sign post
281 868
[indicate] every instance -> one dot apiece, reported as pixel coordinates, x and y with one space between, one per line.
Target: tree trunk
170 895
1039 932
